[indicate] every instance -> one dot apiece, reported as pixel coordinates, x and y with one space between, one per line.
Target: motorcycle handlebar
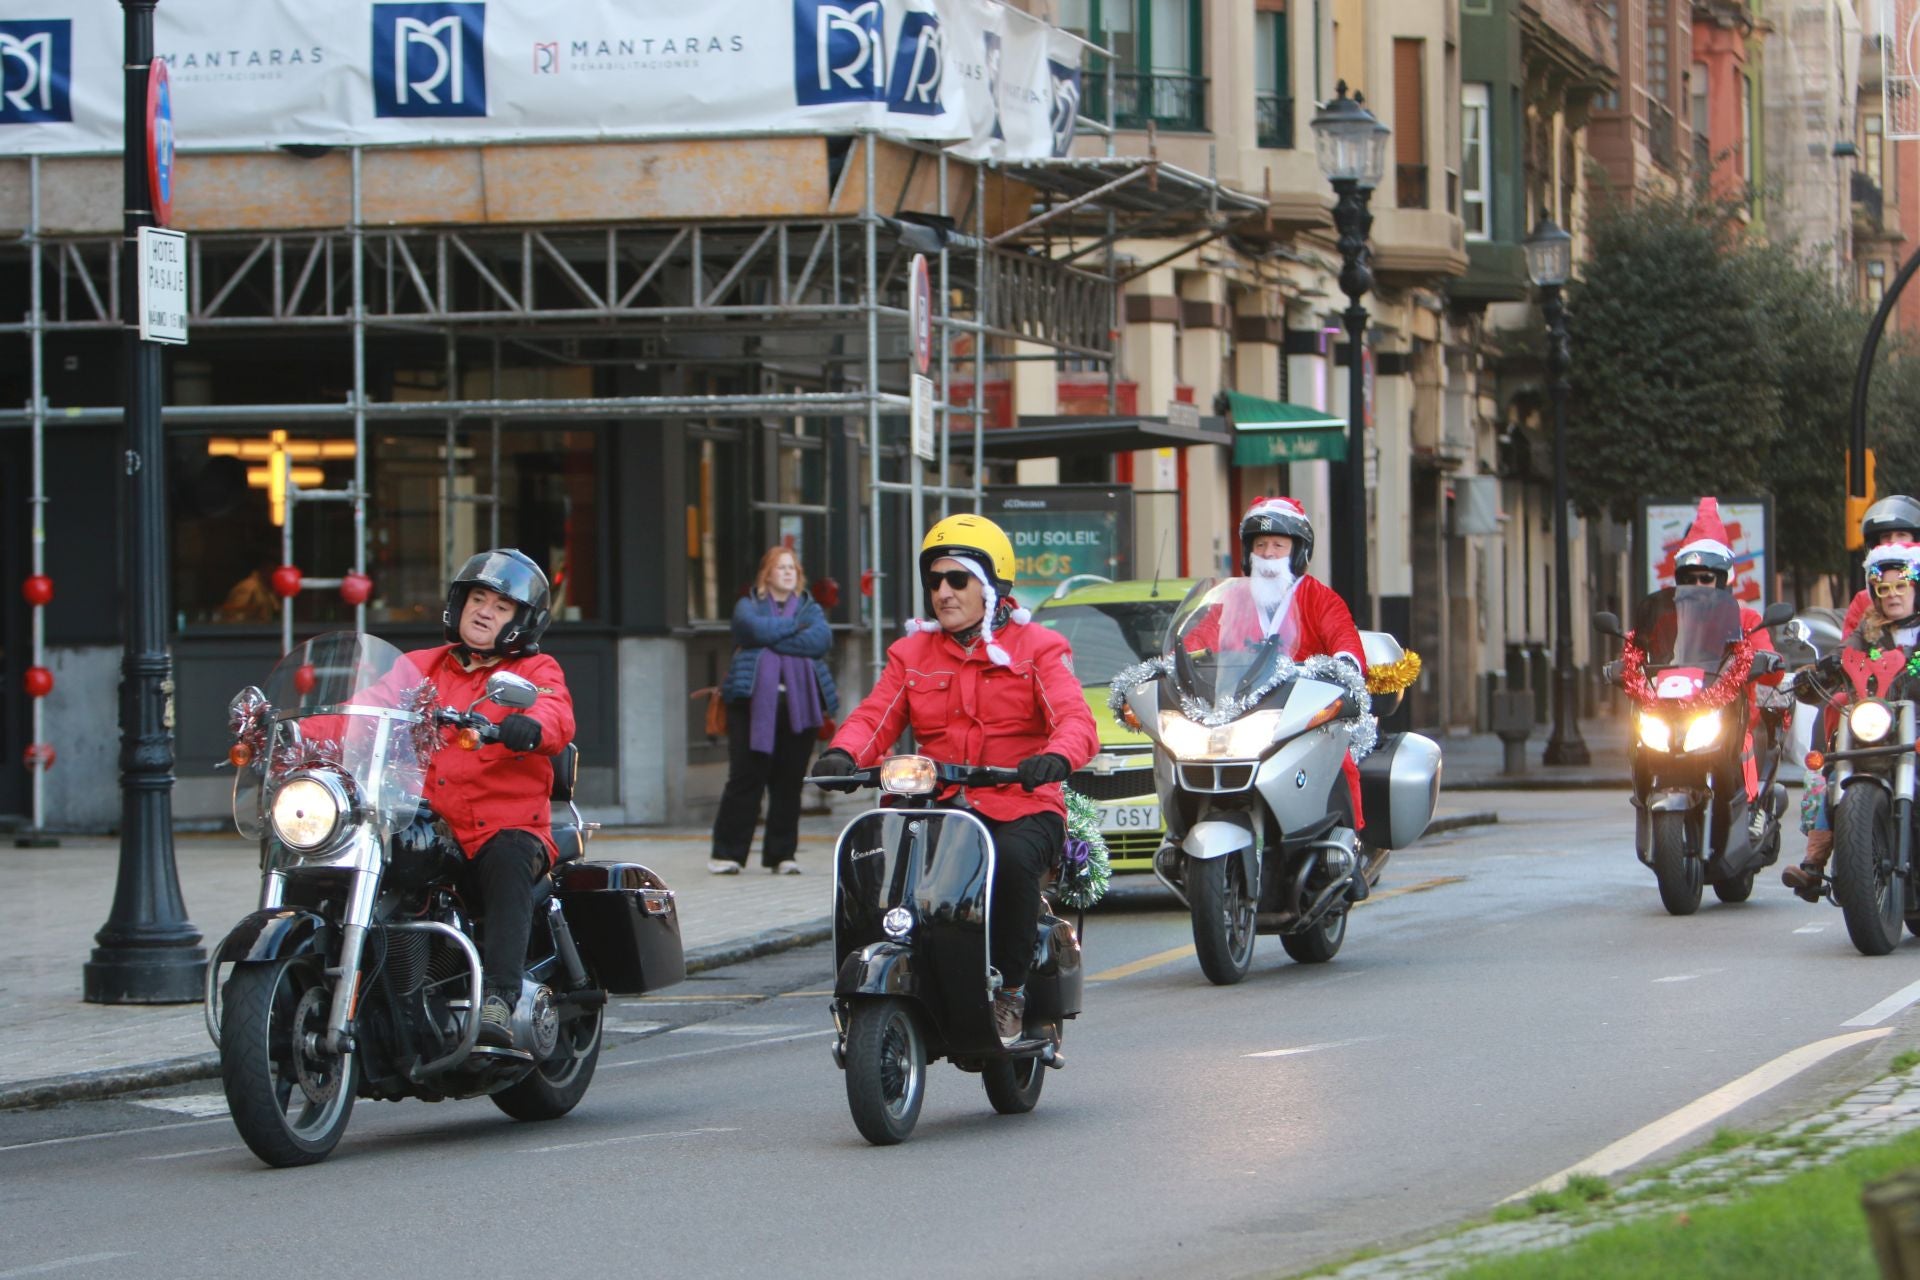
958 775
482 729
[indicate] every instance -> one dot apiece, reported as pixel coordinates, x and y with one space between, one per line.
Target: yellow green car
1112 625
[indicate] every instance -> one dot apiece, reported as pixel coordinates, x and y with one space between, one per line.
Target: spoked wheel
290 1098
886 1070
1680 876
1320 943
1013 1087
556 1086
1223 913
1738 889
1863 881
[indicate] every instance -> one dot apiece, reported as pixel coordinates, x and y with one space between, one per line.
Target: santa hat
1706 536
1893 555
994 651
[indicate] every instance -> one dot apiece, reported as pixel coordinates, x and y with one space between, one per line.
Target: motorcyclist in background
1895 518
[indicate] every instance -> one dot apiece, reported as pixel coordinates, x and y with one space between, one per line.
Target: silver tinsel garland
1365 734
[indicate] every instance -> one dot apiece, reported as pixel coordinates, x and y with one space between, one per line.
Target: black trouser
499 884
1023 851
749 773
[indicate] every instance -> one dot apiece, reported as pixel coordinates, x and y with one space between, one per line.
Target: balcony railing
1410 185
1660 134
1870 199
1169 101
1273 120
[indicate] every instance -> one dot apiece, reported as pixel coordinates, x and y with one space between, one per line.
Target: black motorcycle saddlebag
1055 983
626 923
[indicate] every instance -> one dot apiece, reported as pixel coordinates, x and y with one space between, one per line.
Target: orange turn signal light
1132 721
239 755
468 739
1816 761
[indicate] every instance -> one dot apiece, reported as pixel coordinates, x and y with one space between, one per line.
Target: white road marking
1699 1113
632 1028
1893 1004
1811 928
1305 1048
60 1264
745 1030
111 1133
701 1053
201 1106
203 1151
626 1137
1679 977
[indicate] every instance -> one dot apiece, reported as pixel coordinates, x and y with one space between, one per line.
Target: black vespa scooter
912 912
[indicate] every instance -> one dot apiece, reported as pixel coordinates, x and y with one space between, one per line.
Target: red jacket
482 793
965 709
1317 621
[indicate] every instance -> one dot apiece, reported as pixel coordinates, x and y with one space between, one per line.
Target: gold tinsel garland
1393 677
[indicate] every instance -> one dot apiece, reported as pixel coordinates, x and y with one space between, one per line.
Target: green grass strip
1810 1224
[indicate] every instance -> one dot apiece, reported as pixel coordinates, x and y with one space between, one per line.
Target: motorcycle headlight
1245 739
1654 734
1870 721
908 776
1702 732
307 811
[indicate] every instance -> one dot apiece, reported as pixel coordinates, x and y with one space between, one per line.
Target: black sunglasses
955 578
1696 579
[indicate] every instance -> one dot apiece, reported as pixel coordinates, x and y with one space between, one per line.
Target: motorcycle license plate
1129 817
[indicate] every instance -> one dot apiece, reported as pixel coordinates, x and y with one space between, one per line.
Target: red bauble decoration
356 588
39 682
39 755
826 592
286 581
304 678
37 589
866 582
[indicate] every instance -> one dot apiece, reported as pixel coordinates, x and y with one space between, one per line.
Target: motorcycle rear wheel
1320 943
886 1070
1738 889
289 1100
1223 918
1869 897
556 1086
1679 875
1013 1087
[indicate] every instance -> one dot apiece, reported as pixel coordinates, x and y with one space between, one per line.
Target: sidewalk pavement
53 900
1475 762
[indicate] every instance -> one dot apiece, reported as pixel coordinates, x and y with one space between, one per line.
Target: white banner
992 80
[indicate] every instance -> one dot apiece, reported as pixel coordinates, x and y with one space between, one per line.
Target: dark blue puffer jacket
804 635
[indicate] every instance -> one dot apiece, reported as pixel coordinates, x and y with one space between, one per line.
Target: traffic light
1857 507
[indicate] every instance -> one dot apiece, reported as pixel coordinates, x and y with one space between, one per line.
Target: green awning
1268 432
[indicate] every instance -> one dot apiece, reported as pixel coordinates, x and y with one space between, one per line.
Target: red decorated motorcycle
1706 806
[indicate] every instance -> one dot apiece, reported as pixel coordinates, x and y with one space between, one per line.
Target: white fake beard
1272 581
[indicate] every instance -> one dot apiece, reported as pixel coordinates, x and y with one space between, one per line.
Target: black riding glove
1038 771
835 763
519 733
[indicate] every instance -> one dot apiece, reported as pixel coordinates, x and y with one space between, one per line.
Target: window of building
1876 283
1659 46
1476 162
1747 148
1610 15
1409 123
1272 83
1156 64
718 508
1872 150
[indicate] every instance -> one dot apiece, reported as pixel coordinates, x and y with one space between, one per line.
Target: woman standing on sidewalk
778 692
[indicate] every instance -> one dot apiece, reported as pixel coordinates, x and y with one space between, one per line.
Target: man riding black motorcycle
495 799
983 686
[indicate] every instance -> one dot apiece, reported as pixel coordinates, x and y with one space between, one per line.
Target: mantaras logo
1066 104
430 59
918 64
36 71
839 52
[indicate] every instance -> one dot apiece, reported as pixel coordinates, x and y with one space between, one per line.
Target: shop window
717 509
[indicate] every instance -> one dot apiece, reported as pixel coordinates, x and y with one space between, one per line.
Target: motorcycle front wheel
1679 876
556 1086
289 1098
1223 921
1014 1087
1863 881
886 1070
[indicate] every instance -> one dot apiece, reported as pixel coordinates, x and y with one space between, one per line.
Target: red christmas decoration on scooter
286 581
37 589
356 588
39 682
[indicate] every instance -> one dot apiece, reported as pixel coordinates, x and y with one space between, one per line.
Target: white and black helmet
514 575
1277 515
1895 513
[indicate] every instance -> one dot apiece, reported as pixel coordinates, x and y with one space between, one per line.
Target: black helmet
514 575
1277 515
1895 513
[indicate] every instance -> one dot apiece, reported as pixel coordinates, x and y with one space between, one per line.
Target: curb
87 1086
1459 821
1527 782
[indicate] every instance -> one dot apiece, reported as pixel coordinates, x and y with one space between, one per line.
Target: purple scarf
776 669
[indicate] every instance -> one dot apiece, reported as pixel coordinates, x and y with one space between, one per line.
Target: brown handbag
716 710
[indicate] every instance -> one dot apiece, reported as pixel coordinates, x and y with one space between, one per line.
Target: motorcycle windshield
1687 627
353 704
1222 652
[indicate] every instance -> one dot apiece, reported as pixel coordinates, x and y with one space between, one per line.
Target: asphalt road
1516 1002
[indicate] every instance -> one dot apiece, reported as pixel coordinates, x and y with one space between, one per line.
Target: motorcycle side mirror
1608 624
516 693
1799 630
1777 613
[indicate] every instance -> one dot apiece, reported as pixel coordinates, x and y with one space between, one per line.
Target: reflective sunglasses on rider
955 578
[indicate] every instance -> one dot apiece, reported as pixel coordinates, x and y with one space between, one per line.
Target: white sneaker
723 867
788 868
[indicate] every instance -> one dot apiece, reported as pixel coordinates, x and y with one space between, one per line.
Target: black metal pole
148 952
1566 745
1354 221
1862 375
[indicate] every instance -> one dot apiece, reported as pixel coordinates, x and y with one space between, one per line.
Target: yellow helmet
975 536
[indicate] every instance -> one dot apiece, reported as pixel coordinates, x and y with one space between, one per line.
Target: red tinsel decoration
1730 685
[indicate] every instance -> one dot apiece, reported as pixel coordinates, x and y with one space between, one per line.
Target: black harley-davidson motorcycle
912 911
358 976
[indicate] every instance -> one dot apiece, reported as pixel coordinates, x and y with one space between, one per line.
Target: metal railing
1660 134
1868 197
1169 101
1410 186
1273 120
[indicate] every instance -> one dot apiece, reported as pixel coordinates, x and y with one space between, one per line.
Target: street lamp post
1352 147
148 952
1550 263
